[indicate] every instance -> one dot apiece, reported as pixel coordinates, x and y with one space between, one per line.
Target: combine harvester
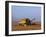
25 21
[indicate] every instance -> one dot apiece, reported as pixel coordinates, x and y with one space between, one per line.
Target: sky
26 12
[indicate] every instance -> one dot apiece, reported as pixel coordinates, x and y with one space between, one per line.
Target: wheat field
34 26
